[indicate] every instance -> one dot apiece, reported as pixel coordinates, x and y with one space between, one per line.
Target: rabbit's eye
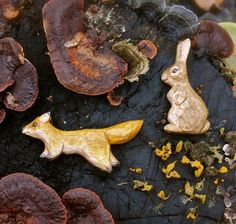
175 70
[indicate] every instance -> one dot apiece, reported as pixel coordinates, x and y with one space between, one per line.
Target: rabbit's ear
182 52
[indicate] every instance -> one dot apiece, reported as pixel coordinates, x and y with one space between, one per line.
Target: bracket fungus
137 59
80 61
25 90
152 9
213 40
84 206
174 22
93 144
25 199
114 99
148 48
11 57
9 9
188 113
2 115
18 77
178 23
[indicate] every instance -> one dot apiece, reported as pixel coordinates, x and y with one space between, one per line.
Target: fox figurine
93 144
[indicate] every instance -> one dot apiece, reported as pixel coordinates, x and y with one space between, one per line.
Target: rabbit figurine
188 113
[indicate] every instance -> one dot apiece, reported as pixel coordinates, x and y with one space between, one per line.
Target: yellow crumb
165 152
199 166
191 215
216 181
163 196
136 170
185 160
201 197
142 186
223 169
179 146
189 190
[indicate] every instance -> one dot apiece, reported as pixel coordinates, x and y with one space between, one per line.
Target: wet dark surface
146 100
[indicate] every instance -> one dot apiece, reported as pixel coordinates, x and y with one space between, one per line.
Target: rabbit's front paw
171 128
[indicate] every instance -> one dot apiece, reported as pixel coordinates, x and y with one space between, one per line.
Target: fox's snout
26 130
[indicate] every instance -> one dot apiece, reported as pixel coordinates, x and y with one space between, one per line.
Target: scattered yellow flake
136 170
158 152
200 185
168 146
173 174
216 181
223 169
179 146
201 197
163 196
235 156
189 190
222 132
185 160
199 166
142 186
222 180
170 173
165 152
169 167
192 215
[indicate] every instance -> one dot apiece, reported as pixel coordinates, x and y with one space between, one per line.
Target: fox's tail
123 132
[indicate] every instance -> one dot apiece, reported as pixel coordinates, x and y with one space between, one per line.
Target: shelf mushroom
25 199
18 78
213 40
84 206
80 61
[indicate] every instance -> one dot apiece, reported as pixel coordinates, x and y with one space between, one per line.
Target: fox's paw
114 161
44 154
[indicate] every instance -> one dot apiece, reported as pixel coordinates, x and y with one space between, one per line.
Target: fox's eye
174 70
35 124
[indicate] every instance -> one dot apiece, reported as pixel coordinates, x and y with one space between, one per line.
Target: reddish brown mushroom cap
25 90
9 9
114 100
79 61
2 115
11 57
25 199
84 206
148 48
213 40
207 5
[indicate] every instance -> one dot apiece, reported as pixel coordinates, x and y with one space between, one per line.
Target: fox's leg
113 160
45 153
52 151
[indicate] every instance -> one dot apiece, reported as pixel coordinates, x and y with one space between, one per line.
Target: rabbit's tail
206 127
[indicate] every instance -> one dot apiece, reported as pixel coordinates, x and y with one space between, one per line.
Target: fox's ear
45 117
